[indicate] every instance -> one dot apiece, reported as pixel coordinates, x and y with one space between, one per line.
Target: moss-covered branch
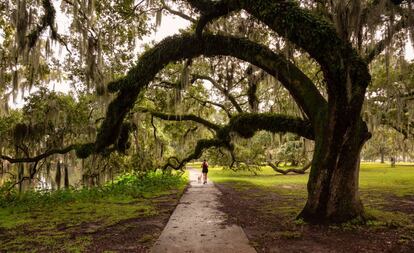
212 10
253 84
382 44
41 156
246 124
189 46
184 117
47 20
406 129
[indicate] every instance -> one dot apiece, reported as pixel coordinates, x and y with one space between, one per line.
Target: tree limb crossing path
197 226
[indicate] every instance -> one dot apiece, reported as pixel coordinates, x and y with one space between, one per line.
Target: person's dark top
205 167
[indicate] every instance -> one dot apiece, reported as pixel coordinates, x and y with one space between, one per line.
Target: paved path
196 226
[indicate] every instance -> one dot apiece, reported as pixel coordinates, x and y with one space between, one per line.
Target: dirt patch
268 218
401 204
135 235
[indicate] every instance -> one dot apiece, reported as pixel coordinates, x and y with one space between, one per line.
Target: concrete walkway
196 226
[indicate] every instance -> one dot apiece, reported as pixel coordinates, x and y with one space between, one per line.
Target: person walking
204 165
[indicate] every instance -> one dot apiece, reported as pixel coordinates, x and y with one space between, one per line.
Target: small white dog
199 178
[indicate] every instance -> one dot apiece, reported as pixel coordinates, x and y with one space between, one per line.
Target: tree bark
67 184
333 195
58 175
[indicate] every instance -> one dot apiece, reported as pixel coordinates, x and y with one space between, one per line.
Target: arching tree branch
185 117
41 156
189 46
82 151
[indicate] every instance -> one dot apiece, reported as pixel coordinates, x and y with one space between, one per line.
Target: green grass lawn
379 183
398 180
373 176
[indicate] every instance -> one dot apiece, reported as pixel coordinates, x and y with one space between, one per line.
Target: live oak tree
334 122
339 39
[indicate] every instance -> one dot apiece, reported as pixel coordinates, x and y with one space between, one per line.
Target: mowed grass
381 187
398 180
373 176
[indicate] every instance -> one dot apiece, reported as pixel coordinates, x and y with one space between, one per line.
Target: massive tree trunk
333 182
